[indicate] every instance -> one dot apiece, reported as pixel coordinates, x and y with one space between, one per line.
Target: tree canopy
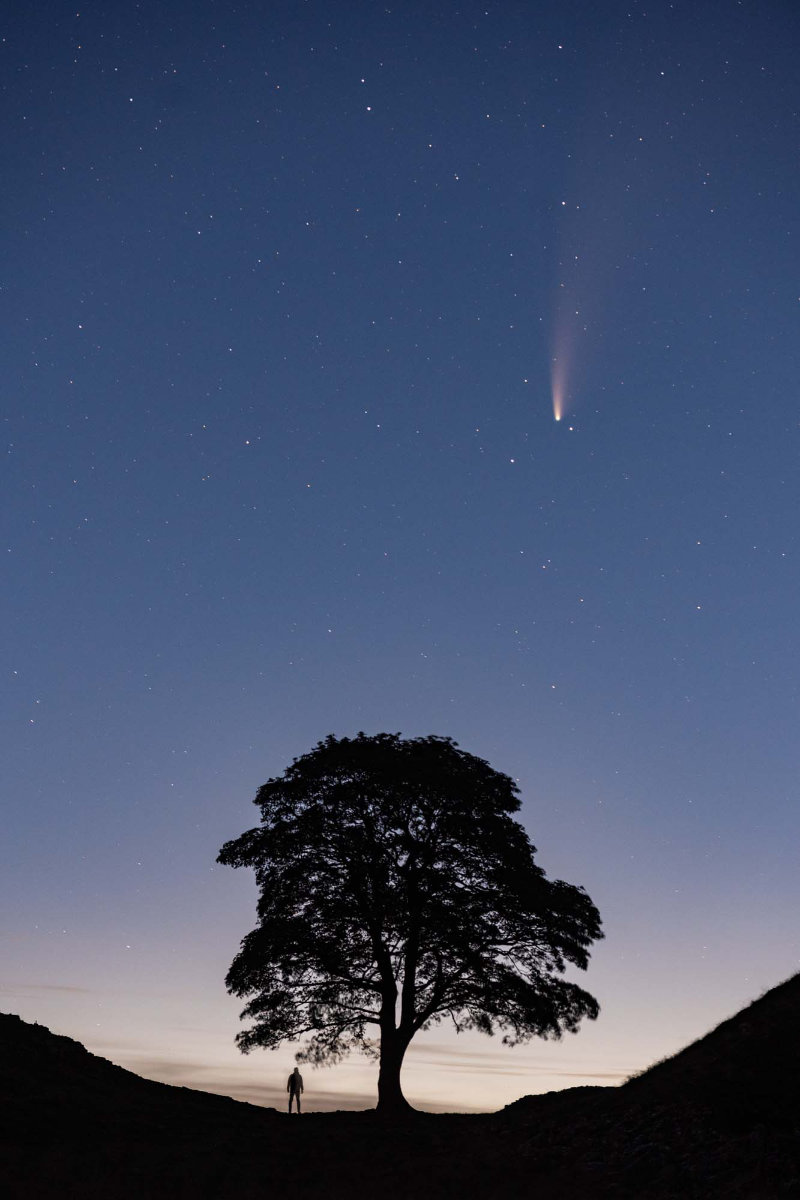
395 890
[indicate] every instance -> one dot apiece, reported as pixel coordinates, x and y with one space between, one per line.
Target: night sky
292 294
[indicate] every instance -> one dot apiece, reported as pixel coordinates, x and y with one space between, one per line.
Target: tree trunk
391 1101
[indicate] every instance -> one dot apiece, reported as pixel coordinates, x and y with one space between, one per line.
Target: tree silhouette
397 890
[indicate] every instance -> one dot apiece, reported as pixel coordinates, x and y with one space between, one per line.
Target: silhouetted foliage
395 890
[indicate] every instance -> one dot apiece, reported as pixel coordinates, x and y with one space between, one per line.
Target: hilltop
719 1119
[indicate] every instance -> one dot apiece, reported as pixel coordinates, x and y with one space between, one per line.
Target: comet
558 387
568 331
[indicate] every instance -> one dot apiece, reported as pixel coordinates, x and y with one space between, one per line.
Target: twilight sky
290 291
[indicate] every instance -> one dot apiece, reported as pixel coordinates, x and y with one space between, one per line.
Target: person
294 1087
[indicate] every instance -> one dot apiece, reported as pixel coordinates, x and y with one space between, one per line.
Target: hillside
747 1068
719 1119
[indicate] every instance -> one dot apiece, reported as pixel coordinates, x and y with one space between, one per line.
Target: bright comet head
558 390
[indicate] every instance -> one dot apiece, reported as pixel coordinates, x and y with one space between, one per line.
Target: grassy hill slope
719 1119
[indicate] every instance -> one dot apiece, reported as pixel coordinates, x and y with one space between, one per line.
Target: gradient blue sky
285 287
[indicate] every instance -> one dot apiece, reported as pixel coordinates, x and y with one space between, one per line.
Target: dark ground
720 1119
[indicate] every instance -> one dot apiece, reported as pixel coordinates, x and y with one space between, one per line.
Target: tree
396 890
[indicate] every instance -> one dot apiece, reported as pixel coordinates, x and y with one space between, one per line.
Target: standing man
294 1087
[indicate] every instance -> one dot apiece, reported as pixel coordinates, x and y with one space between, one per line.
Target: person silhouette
294 1087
